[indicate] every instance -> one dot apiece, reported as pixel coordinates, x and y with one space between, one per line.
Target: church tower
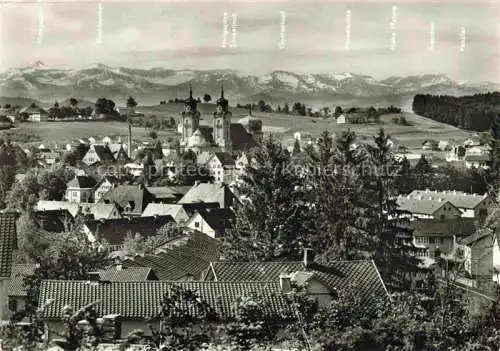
190 118
222 123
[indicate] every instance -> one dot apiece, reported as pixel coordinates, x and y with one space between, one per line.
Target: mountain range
149 86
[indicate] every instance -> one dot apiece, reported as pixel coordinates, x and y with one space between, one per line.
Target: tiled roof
348 277
125 274
423 206
225 158
182 258
240 138
447 227
98 210
458 199
116 230
104 153
218 218
139 300
210 193
165 192
8 242
154 209
128 195
477 158
16 283
82 182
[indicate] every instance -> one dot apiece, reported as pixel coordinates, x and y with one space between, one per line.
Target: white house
103 187
178 213
221 167
214 222
80 189
340 119
35 114
477 161
135 169
98 154
443 145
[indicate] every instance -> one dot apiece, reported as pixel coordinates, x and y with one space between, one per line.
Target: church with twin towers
223 135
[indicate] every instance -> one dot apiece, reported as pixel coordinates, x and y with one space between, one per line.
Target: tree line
473 112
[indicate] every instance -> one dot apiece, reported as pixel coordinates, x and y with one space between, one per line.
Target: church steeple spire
222 91
190 92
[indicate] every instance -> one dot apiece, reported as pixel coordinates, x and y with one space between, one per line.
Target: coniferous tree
296 147
493 174
423 174
269 221
333 187
388 226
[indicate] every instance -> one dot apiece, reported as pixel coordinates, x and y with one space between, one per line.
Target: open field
412 136
65 132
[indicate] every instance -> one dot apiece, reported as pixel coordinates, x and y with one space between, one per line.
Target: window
441 241
13 305
432 241
197 224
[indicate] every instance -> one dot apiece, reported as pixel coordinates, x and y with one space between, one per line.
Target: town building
470 205
221 167
223 136
214 222
104 186
210 193
428 207
177 211
98 154
131 200
98 210
477 161
34 114
80 189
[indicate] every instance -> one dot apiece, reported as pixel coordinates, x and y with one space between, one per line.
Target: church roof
241 138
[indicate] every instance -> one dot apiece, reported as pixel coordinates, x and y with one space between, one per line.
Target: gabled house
441 235
130 199
215 222
34 114
115 230
98 154
325 281
80 189
166 194
185 257
210 193
17 290
480 254
178 213
136 302
119 152
8 243
104 186
470 205
97 210
340 119
477 161
221 167
428 207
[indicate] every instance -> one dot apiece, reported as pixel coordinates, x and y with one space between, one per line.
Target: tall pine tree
269 223
388 226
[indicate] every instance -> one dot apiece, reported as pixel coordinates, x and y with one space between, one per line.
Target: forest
473 112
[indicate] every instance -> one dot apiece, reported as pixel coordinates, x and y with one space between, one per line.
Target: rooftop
139 300
8 242
458 199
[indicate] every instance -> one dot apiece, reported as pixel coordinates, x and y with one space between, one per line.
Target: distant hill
21 101
149 86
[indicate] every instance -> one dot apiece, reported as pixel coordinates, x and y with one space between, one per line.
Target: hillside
285 126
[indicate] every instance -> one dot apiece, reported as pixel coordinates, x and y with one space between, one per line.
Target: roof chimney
285 283
308 257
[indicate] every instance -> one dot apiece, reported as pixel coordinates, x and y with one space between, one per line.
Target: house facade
103 187
477 161
98 154
421 207
80 189
221 167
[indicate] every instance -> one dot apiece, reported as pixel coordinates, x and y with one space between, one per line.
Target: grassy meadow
411 136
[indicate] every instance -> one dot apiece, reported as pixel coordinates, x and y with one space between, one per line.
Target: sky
305 36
